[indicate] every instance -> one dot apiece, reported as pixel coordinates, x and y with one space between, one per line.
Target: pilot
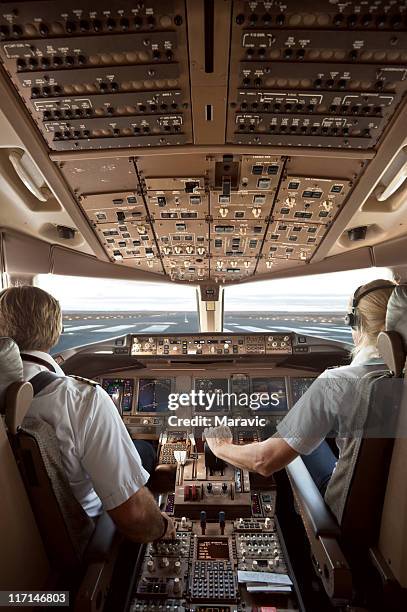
103 465
326 406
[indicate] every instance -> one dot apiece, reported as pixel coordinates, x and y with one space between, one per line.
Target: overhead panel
100 76
315 74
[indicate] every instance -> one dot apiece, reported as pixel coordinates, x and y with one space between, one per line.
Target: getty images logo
216 400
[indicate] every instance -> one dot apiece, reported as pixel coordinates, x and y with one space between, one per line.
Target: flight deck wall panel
315 74
102 75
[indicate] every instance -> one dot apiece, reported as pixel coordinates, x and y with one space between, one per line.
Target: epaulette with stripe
87 381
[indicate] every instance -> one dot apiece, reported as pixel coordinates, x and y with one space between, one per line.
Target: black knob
57 114
4 31
70 27
21 63
57 61
114 87
156 54
288 53
301 54
246 81
76 134
151 21
342 83
110 24
17 31
86 133
44 63
46 115
138 22
84 25
81 60
142 108
110 110
46 91
102 86
318 83
69 60
366 20
338 20
178 20
96 25
253 19
124 23
169 55
353 54
280 19
57 90
43 29
381 21
266 19
396 21
352 20
153 108
35 92
32 62
240 19
257 82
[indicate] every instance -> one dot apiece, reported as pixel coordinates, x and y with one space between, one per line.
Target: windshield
95 309
311 305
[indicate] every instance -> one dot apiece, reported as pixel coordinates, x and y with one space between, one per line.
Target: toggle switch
203 521
222 522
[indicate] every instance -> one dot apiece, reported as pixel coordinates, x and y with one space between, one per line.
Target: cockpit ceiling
228 217
99 79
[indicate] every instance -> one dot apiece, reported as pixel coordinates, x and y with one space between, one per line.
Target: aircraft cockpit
203 259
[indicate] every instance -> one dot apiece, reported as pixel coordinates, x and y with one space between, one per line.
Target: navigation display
153 394
275 389
299 386
211 394
121 391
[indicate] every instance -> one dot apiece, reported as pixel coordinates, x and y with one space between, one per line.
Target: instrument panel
211 345
135 397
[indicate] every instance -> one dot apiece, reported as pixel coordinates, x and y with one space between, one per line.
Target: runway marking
114 328
80 327
251 328
155 328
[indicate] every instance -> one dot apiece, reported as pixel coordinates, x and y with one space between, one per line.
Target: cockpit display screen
299 386
269 395
153 394
121 391
213 549
212 394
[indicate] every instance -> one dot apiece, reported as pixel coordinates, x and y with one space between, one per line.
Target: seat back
64 526
357 487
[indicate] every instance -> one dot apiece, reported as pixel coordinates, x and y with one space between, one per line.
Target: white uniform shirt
98 455
326 404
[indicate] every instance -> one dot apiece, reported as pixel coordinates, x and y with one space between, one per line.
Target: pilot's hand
216 437
170 532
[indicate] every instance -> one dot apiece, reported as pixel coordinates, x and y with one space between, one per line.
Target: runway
86 328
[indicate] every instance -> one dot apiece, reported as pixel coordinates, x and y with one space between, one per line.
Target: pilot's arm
299 433
262 457
115 469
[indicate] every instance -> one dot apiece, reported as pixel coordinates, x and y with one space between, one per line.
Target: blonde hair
371 311
31 317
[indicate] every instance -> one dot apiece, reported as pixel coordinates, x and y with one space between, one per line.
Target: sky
324 292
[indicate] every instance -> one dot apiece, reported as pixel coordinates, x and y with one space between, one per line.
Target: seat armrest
312 505
103 539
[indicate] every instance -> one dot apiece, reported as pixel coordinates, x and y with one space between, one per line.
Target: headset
351 318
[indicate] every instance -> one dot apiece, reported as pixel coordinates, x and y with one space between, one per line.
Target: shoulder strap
38 360
42 380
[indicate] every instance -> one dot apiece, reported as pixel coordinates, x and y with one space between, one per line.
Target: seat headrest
396 317
11 367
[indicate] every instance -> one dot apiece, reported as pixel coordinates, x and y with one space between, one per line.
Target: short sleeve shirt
102 465
328 404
